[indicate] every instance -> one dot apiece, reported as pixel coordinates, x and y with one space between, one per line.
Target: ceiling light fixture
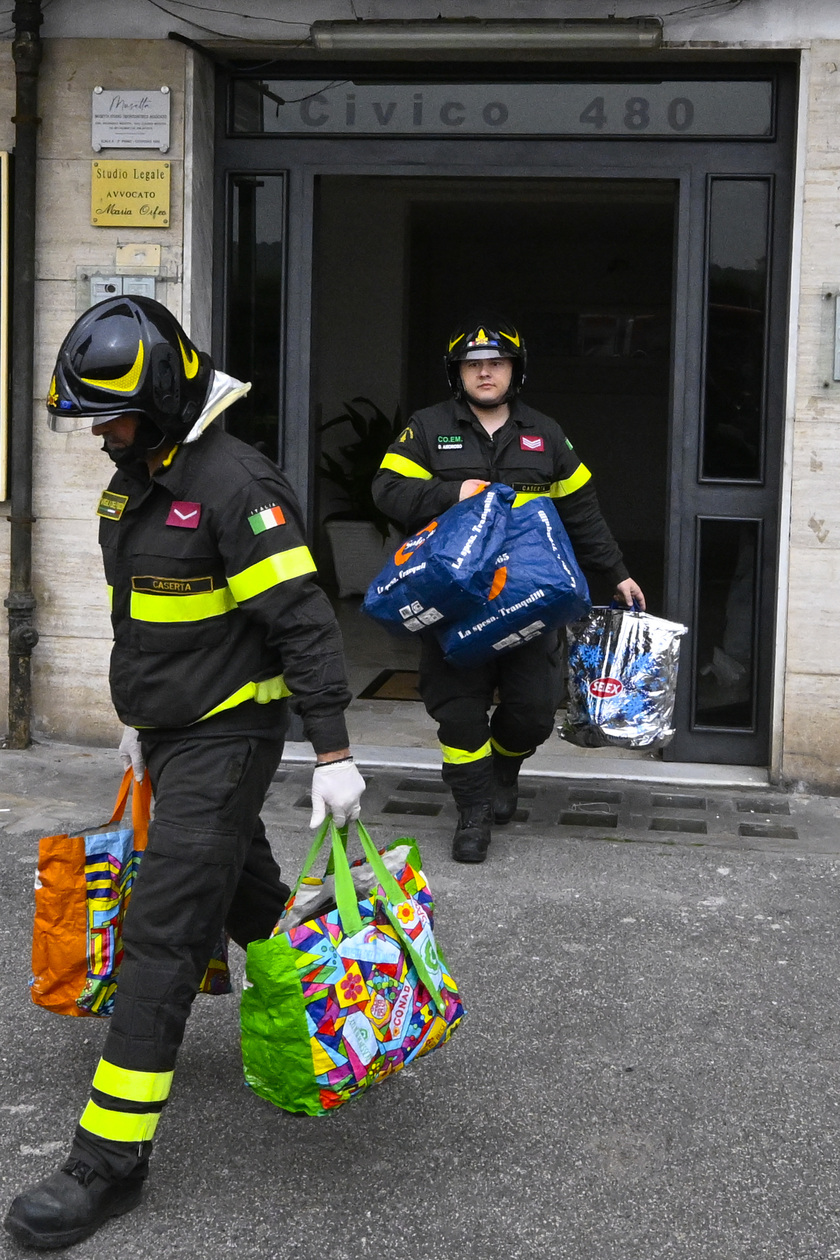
482 37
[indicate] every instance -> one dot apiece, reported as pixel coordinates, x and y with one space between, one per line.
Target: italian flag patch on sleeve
266 518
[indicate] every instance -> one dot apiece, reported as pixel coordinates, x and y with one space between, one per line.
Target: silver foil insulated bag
622 679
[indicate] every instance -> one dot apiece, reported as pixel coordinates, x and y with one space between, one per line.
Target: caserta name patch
266 518
111 505
172 586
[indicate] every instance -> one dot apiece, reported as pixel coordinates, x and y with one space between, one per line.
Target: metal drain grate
421 785
767 831
594 796
694 826
660 801
426 809
762 807
577 818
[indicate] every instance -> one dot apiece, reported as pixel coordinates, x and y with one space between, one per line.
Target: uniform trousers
529 682
208 867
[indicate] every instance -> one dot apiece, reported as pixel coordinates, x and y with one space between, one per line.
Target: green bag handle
394 892
347 901
345 891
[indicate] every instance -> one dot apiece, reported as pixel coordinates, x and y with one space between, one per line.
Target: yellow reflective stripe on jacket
168 608
557 489
405 467
119 1126
111 597
266 573
262 692
578 478
505 752
134 1086
460 756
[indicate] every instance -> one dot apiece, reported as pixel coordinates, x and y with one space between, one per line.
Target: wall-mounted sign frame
4 324
131 119
129 194
673 108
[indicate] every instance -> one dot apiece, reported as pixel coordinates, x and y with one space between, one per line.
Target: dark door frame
691 164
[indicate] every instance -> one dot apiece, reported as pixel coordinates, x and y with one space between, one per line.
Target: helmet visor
499 353
64 422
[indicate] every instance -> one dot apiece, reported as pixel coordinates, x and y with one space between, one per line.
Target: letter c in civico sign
306 111
447 115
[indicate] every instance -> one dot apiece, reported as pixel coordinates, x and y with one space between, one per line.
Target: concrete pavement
649 1067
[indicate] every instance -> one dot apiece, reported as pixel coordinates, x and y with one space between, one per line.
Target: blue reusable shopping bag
537 586
444 571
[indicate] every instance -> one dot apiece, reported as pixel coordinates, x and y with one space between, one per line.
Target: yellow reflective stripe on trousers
171 608
270 572
262 692
405 467
134 1086
505 752
119 1126
578 478
111 597
460 756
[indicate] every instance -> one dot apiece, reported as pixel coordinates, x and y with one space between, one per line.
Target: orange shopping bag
60 929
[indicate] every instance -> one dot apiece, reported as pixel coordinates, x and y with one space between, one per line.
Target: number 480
637 113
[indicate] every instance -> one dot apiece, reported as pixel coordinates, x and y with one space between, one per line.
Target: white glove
337 789
130 754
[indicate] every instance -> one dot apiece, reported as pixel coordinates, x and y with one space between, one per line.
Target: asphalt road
648 1069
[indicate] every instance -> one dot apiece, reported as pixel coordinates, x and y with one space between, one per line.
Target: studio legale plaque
129 194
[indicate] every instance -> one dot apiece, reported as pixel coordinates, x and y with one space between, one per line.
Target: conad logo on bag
407 550
604 688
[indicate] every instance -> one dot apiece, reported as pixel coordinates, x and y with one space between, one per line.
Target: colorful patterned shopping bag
337 1002
112 855
82 892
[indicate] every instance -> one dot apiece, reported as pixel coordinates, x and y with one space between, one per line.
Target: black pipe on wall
26 51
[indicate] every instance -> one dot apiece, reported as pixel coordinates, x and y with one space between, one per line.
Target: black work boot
505 788
70 1205
472 835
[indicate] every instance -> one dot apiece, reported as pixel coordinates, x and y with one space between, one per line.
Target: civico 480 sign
677 108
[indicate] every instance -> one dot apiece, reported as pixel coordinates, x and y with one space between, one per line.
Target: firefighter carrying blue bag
485 435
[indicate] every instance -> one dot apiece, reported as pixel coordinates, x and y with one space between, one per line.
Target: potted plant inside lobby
361 537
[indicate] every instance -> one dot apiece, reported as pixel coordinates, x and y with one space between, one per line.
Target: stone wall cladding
70 664
811 743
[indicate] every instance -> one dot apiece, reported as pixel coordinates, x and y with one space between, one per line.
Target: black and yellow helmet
129 354
485 336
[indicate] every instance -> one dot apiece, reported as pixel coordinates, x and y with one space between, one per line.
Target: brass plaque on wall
129 194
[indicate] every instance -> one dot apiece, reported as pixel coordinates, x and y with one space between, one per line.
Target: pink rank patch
184 515
531 444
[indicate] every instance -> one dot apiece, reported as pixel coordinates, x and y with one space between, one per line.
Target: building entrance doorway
648 270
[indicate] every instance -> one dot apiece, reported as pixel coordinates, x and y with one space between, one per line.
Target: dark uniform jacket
214 608
441 446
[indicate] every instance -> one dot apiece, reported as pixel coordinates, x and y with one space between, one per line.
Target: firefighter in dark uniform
485 434
216 619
